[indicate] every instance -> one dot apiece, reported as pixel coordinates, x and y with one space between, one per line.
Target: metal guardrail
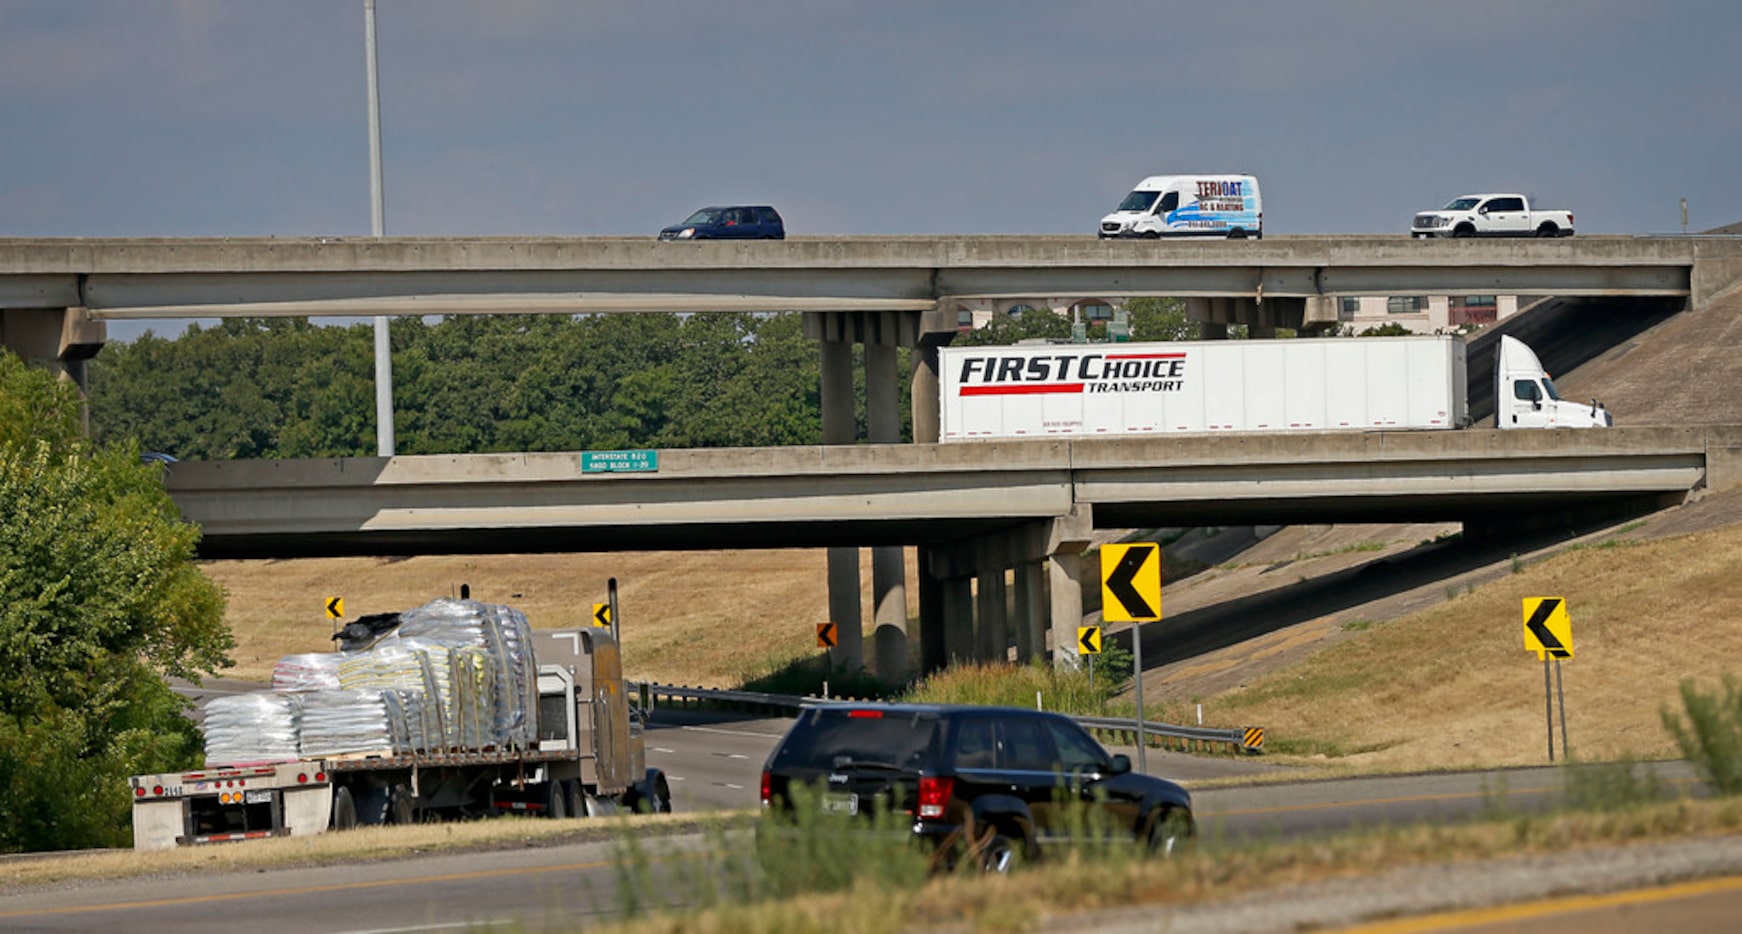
1166 735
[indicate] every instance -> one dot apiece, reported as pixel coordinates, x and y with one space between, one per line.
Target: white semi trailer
1308 384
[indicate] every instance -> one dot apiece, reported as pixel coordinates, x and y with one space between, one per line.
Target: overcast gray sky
554 117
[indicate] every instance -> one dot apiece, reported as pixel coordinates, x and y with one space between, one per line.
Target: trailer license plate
841 804
257 797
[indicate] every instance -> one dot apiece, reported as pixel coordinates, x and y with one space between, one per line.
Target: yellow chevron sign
1548 630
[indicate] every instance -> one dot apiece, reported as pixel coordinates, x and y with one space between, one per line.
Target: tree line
284 387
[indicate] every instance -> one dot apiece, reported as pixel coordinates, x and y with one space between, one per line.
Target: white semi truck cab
1525 396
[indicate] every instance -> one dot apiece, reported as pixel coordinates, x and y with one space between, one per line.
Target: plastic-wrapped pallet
318 671
345 722
504 689
260 726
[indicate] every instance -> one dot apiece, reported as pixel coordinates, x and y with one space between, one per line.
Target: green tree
1032 323
1160 319
99 599
1388 329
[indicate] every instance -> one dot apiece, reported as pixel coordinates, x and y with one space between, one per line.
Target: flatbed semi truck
581 752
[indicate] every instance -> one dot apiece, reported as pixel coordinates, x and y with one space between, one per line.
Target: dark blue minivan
752 222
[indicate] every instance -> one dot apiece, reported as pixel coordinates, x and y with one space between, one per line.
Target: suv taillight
767 791
934 794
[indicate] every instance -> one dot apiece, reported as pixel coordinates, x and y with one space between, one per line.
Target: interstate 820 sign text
619 461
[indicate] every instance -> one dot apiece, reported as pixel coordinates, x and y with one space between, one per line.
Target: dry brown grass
1453 686
695 618
362 844
1069 892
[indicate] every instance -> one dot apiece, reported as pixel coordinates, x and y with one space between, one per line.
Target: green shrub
1709 734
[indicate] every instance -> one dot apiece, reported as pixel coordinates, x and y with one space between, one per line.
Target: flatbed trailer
587 757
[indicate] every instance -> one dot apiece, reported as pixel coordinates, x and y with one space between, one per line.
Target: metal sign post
1548 698
1548 631
1560 690
1131 593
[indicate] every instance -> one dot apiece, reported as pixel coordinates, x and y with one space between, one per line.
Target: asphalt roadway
714 762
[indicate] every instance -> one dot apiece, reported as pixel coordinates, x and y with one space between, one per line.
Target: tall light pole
378 227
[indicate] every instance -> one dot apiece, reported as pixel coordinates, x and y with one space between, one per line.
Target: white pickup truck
1492 215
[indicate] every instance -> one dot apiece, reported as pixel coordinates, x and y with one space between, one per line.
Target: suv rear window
828 738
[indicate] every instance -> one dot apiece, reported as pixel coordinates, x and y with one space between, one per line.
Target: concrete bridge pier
1044 561
991 616
61 339
1262 317
840 427
881 333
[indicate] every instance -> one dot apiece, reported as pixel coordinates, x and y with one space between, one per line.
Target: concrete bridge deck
930 494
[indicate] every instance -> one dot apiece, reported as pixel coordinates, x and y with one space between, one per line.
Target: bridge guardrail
1248 740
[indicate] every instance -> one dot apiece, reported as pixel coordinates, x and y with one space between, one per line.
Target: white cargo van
1189 206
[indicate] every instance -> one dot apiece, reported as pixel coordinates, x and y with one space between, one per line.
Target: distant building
1421 314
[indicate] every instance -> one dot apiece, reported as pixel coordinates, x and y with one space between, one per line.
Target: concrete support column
923 387
958 601
888 564
61 339
1030 617
933 654
840 427
1064 578
992 618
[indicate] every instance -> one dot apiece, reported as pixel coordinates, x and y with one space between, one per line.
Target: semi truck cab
1525 396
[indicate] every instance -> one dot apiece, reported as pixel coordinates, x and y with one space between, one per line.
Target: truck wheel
1238 233
1152 235
344 809
1548 230
1463 231
556 801
399 809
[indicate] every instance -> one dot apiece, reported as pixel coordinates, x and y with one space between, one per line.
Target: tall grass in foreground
1709 733
823 872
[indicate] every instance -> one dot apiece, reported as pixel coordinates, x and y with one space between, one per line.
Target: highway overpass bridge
986 516
882 292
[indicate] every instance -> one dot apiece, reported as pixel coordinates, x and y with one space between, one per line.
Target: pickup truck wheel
1463 231
1548 230
344 809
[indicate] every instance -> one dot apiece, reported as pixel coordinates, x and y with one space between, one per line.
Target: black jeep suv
994 784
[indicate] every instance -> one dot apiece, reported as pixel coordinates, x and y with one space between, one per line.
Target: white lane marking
729 755
663 749
708 729
732 785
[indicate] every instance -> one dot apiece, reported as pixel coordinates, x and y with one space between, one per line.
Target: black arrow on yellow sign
1546 637
335 607
602 615
1089 640
1121 582
825 635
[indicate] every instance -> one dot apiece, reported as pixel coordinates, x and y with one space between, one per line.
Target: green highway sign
619 461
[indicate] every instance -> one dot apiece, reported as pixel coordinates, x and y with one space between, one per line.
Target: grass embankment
1453 687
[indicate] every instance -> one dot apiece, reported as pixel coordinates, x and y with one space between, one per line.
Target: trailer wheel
399 809
344 809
